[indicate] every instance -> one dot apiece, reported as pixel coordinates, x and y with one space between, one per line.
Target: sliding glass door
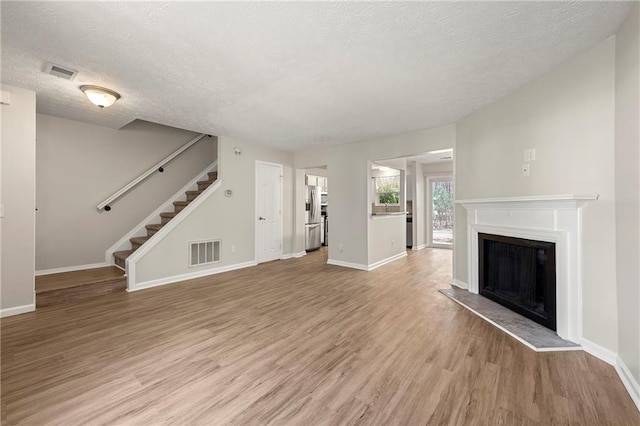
440 211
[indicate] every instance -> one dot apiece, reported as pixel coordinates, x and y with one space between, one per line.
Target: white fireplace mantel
554 218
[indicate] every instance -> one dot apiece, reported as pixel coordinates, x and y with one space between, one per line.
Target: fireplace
553 219
520 274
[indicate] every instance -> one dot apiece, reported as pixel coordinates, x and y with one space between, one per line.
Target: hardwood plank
294 342
63 280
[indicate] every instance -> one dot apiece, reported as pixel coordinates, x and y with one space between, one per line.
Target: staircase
136 242
66 287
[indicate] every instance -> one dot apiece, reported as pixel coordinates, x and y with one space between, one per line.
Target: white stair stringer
167 207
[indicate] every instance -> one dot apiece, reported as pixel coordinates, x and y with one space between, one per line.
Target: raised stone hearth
536 336
556 219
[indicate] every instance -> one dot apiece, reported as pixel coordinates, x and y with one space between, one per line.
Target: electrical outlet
525 169
233 249
529 154
340 247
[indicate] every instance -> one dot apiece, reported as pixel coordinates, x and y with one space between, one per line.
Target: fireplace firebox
519 274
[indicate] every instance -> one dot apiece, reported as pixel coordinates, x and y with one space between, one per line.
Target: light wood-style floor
294 342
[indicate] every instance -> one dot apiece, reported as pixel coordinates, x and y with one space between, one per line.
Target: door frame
429 179
255 216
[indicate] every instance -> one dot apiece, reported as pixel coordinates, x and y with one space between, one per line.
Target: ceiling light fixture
100 96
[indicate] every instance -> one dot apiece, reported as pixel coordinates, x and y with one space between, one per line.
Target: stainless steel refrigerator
314 217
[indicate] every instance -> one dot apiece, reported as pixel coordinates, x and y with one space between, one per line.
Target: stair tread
138 240
154 226
172 214
60 281
122 254
202 182
192 192
181 203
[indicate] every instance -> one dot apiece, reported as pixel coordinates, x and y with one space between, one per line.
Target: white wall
17 194
79 165
567 115
419 213
627 160
230 219
348 173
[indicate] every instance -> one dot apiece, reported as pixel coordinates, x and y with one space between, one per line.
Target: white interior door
268 211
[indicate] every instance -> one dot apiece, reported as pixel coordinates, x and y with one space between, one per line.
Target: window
387 190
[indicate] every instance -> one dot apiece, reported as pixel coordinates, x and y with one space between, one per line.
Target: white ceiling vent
60 71
204 252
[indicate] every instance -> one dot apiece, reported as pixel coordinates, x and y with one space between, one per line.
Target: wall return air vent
60 71
204 252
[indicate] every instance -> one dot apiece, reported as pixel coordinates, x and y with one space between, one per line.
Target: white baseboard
190 275
630 382
598 351
71 268
460 284
390 259
292 255
370 267
359 266
8 312
420 247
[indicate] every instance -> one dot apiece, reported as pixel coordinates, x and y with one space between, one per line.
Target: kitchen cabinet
319 181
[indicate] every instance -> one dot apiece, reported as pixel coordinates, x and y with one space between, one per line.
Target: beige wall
348 172
17 194
79 165
230 219
627 159
567 115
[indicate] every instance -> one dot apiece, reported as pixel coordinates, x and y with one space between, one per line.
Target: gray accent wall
17 195
79 165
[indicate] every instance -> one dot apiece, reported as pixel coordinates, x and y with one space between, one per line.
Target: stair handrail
158 167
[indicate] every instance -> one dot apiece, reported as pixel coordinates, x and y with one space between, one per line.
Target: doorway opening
440 208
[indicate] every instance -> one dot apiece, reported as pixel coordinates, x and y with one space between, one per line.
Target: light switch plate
529 154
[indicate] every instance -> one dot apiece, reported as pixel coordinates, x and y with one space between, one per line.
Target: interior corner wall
568 116
348 178
419 219
17 195
229 219
627 165
79 165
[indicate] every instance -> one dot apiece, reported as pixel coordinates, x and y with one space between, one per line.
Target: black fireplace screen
519 274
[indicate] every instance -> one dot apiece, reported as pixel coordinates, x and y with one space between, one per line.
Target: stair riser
178 209
120 263
212 175
191 197
165 220
203 186
151 232
135 246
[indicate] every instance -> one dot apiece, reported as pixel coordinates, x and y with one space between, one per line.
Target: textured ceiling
292 75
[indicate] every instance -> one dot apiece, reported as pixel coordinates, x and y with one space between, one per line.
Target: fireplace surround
553 219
